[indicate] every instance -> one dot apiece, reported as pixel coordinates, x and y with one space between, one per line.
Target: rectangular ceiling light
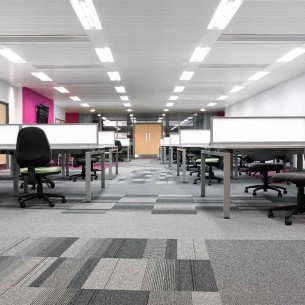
259 75
199 54
104 54
202 109
61 89
75 98
222 97
124 98
92 110
11 56
237 89
127 105
84 105
169 104
187 75
292 55
120 89
224 13
114 76
173 98
211 104
86 14
179 89
42 76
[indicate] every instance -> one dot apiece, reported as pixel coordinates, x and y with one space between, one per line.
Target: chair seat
209 161
83 160
263 167
294 177
43 170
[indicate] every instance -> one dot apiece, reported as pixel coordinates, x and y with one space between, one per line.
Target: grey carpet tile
170 298
85 211
155 249
133 207
133 248
174 211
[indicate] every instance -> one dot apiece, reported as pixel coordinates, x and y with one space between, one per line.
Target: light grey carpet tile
185 249
159 275
85 211
19 296
76 247
101 274
173 211
127 275
155 249
102 246
38 245
170 298
9 242
206 298
175 200
93 206
144 199
113 248
259 272
9 265
90 247
201 251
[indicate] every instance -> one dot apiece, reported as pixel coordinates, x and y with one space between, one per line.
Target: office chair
210 162
33 152
80 160
119 145
298 178
264 169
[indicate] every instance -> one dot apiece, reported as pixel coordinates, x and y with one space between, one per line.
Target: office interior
149 236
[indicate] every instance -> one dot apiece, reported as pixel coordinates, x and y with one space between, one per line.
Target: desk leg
236 166
178 163
15 168
164 154
117 162
67 164
102 170
227 185
184 180
299 162
110 164
63 172
128 153
88 176
170 161
202 174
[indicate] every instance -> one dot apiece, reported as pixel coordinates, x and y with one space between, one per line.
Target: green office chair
33 152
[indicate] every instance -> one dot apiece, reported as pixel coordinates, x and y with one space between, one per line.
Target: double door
147 139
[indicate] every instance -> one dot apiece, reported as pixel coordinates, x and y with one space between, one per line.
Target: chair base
44 196
76 176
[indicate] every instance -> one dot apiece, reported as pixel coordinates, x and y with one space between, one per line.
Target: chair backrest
118 144
33 148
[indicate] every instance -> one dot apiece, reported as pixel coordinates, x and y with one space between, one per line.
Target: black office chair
119 146
210 162
80 160
33 152
264 169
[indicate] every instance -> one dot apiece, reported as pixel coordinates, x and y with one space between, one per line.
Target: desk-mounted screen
8 134
106 138
258 130
174 139
124 142
195 137
71 134
166 141
161 142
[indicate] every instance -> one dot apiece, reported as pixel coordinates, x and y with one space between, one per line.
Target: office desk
227 150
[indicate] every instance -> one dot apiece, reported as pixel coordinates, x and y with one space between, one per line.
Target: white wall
59 113
286 99
13 97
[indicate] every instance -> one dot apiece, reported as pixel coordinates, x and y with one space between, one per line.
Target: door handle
149 137
145 136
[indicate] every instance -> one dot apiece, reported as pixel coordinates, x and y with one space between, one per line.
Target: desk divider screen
161 142
174 139
8 134
106 138
71 134
195 137
166 141
124 142
254 130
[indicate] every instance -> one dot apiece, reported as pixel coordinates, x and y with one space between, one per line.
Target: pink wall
72 117
30 100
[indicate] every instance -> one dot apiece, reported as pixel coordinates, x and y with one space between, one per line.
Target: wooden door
154 136
141 140
3 120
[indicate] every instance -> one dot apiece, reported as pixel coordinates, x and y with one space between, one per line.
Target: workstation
173 139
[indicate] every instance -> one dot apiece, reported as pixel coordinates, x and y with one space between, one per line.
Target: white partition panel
258 130
8 134
166 141
174 139
161 142
106 138
74 134
124 142
195 137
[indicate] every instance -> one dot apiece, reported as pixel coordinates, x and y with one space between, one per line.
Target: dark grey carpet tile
100 248
132 248
214 208
82 297
170 298
171 249
44 276
119 297
128 206
104 197
155 249
175 200
114 248
145 195
83 274
183 276
85 211
54 296
138 182
173 211
58 247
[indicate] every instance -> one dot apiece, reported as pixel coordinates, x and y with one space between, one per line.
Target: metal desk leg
299 162
164 154
67 165
110 164
226 185
184 180
235 166
231 165
178 163
15 169
202 169
63 172
128 153
171 155
102 170
117 162
88 176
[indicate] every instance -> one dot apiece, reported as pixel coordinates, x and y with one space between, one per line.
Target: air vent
261 38
43 38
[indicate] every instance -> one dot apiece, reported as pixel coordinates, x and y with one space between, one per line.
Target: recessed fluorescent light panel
120 89
124 98
84 105
43 77
61 89
129 110
86 14
179 89
11 56
92 110
187 75
127 105
104 54
224 13
237 89
114 76
292 55
173 98
259 75
199 54
202 109
166 109
211 104
75 98
222 97
169 104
